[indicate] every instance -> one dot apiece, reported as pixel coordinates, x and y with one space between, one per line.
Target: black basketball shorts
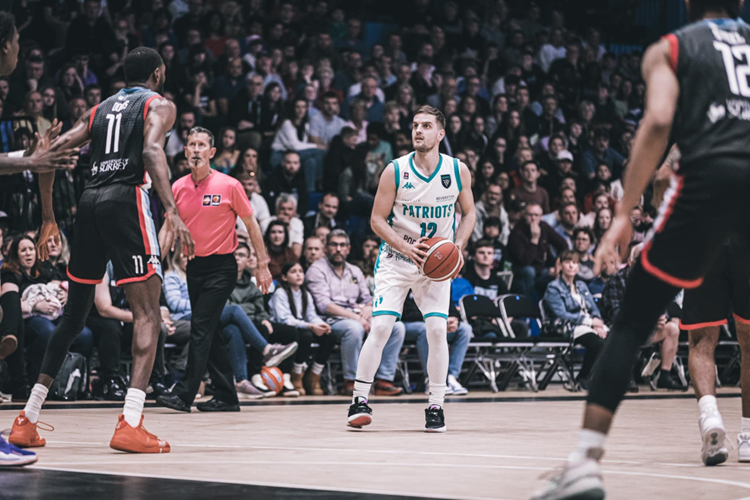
114 223
725 290
706 204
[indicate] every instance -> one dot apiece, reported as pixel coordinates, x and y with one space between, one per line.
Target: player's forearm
466 228
46 182
155 162
386 232
256 237
650 143
12 165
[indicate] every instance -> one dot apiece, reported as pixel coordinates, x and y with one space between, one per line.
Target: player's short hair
429 110
201 130
337 233
7 27
698 8
140 64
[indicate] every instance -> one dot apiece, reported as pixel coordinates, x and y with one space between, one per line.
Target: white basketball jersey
425 206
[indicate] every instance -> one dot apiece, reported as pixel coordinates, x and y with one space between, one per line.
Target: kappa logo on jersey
409 185
446 180
154 261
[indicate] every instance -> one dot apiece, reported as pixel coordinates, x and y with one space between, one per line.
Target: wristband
16 154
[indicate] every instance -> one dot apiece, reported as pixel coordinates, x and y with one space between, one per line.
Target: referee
209 203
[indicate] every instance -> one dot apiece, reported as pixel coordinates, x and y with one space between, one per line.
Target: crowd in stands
309 102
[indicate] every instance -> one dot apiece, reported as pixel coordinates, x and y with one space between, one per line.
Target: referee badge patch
446 180
206 200
216 200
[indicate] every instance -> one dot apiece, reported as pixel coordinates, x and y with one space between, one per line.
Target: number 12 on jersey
431 227
112 119
736 73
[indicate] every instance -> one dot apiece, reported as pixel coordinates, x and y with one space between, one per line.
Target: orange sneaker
24 434
136 439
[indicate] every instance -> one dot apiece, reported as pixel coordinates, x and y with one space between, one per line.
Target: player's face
313 250
338 249
296 276
198 150
426 133
10 55
484 256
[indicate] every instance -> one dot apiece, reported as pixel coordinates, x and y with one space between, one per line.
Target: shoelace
44 426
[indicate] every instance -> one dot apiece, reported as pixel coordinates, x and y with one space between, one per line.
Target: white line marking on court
262 483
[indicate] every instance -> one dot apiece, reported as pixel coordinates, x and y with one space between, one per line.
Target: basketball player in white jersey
417 199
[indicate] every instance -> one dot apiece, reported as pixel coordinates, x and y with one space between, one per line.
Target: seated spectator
569 301
286 211
227 153
247 110
357 120
293 305
599 153
248 163
667 329
492 229
529 251
59 256
490 204
31 304
294 136
373 104
597 285
313 251
289 179
601 224
370 252
328 208
342 297
561 168
567 195
237 327
248 296
327 124
343 154
600 201
177 139
277 244
252 189
583 242
459 336
529 191
566 221
479 272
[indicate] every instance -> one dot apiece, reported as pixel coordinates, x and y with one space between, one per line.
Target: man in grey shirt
328 124
342 298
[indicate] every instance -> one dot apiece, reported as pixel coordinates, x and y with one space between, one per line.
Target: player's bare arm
262 274
469 213
662 92
159 121
384 199
38 158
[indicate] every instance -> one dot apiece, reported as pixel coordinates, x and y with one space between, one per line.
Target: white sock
587 440
361 390
708 403
317 368
35 402
299 368
133 409
746 425
437 394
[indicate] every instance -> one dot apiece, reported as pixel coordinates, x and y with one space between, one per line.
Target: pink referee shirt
210 211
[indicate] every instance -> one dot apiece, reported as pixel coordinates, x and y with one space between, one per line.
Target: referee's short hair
201 130
337 233
140 64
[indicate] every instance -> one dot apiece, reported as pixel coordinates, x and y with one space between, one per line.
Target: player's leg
743 439
372 353
668 336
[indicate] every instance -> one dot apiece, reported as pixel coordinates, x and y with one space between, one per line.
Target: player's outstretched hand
263 276
46 161
48 230
177 230
418 251
616 238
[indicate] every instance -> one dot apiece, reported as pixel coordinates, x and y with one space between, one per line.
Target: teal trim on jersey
458 174
397 174
377 261
439 315
388 313
434 173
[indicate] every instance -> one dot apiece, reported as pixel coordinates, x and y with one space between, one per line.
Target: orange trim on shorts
708 324
666 278
91 118
81 280
146 276
742 320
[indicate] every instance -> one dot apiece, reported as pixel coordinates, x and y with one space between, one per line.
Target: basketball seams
443 261
434 248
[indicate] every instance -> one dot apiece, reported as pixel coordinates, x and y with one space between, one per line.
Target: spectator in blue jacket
570 301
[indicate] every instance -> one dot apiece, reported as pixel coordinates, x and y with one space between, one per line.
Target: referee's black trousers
210 283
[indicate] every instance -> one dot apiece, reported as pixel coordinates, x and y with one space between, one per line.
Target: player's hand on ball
263 276
418 251
48 230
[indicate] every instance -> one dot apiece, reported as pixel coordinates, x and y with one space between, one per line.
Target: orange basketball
273 378
442 259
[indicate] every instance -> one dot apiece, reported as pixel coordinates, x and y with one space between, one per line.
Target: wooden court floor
492 449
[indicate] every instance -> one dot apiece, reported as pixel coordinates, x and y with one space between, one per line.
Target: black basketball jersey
117 138
711 59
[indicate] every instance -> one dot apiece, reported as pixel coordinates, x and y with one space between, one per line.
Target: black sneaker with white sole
278 353
434 419
360 414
